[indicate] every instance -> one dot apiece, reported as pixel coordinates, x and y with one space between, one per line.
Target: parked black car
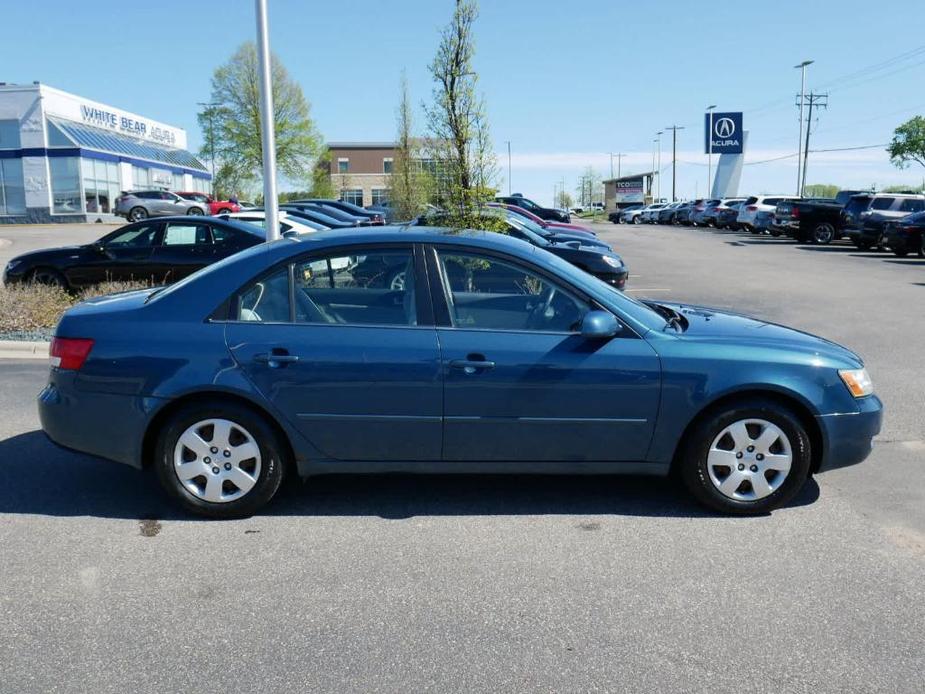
530 206
813 220
329 212
375 218
314 215
159 250
727 217
906 235
683 214
600 262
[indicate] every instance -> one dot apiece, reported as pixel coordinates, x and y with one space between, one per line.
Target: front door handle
276 359
471 366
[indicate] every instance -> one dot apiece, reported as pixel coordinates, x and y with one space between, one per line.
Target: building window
65 184
12 192
380 196
387 165
9 134
201 184
352 195
176 182
141 178
56 138
343 165
101 184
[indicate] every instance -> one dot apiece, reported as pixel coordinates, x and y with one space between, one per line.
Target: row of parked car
887 221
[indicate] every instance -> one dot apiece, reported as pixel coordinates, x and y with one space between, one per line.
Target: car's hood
716 325
47 253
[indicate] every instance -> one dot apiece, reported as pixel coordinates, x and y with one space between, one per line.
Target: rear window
912 205
752 200
857 204
882 203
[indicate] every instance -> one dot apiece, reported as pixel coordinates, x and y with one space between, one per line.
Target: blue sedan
305 356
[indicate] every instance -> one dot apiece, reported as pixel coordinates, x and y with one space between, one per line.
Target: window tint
487 293
223 234
265 301
367 288
185 234
135 236
912 205
882 203
770 201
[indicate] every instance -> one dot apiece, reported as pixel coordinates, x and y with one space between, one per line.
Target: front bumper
848 438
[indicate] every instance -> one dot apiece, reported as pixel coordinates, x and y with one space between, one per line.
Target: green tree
234 131
564 200
904 189
821 190
322 186
908 144
590 187
460 143
410 186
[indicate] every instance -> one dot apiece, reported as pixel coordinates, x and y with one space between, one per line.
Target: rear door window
266 300
137 236
882 203
912 205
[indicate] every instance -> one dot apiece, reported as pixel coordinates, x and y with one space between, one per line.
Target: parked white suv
759 203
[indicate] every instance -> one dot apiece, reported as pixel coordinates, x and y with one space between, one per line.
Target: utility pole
802 68
267 123
619 161
815 100
508 167
652 177
674 159
658 167
209 106
710 151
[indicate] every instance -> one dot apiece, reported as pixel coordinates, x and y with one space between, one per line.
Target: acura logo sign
725 128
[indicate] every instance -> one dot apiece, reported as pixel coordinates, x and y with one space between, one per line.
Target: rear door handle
471 366
275 361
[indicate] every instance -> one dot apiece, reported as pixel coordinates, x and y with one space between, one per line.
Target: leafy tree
235 123
460 143
564 200
410 185
590 187
821 190
322 186
904 189
908 144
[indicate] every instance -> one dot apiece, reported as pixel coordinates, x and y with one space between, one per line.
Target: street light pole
674 159
802 68
209 106
710 152
267 123
508 167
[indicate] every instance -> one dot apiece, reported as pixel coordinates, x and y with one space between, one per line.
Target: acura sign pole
267 122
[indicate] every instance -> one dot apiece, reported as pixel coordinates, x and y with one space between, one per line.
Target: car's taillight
69 353
752 208
795 212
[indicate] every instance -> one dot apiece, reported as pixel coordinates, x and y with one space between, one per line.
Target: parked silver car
141 204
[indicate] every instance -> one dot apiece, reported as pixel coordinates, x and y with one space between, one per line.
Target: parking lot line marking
648 289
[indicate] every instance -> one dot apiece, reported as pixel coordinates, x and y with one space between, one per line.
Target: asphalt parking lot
497 584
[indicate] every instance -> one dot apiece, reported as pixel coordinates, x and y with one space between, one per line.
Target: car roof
412 234
199 219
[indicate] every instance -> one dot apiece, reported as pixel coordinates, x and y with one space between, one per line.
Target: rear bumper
848 438
102 424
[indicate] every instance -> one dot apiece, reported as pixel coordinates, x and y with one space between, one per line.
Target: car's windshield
534 238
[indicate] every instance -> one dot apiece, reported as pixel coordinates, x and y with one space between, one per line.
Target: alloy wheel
749 460
823 233
217 460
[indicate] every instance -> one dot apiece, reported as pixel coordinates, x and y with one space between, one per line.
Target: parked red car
545 223
215 206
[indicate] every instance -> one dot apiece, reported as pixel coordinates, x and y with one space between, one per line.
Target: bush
26 308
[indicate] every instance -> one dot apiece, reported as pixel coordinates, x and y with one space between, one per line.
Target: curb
14 349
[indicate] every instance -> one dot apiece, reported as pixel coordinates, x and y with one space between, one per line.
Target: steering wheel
538 315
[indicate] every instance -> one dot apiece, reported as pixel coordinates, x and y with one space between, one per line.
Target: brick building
360 171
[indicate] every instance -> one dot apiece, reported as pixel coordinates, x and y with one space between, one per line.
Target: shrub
26 308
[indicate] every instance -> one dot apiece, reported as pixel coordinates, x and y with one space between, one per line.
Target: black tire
273 457
823 233
48 276
775 233
136 214
863 245
900 252
637 219
693 459
195 212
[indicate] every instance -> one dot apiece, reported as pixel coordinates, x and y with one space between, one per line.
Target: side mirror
599 325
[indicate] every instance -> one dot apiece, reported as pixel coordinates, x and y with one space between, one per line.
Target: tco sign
726 135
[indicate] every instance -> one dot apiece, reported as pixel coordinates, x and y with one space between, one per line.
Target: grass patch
27 308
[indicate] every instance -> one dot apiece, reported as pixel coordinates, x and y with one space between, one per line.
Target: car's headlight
12 265
612 262
858 381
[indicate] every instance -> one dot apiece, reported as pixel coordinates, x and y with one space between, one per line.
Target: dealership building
64 158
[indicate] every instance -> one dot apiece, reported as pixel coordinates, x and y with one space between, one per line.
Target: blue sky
567 84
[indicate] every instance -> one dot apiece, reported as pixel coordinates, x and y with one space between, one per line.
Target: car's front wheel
823 233
748 458
195 211
220 460
136 214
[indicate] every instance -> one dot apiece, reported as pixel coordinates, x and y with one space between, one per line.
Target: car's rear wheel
900 252
195 211
637 219
48 276
136 214
863 245
224 211
220 460
748 458
823 233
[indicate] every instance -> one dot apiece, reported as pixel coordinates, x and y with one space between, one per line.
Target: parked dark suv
865 216
542 212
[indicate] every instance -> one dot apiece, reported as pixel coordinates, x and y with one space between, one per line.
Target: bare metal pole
658 167
710 152
508 167
802 68
267 123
